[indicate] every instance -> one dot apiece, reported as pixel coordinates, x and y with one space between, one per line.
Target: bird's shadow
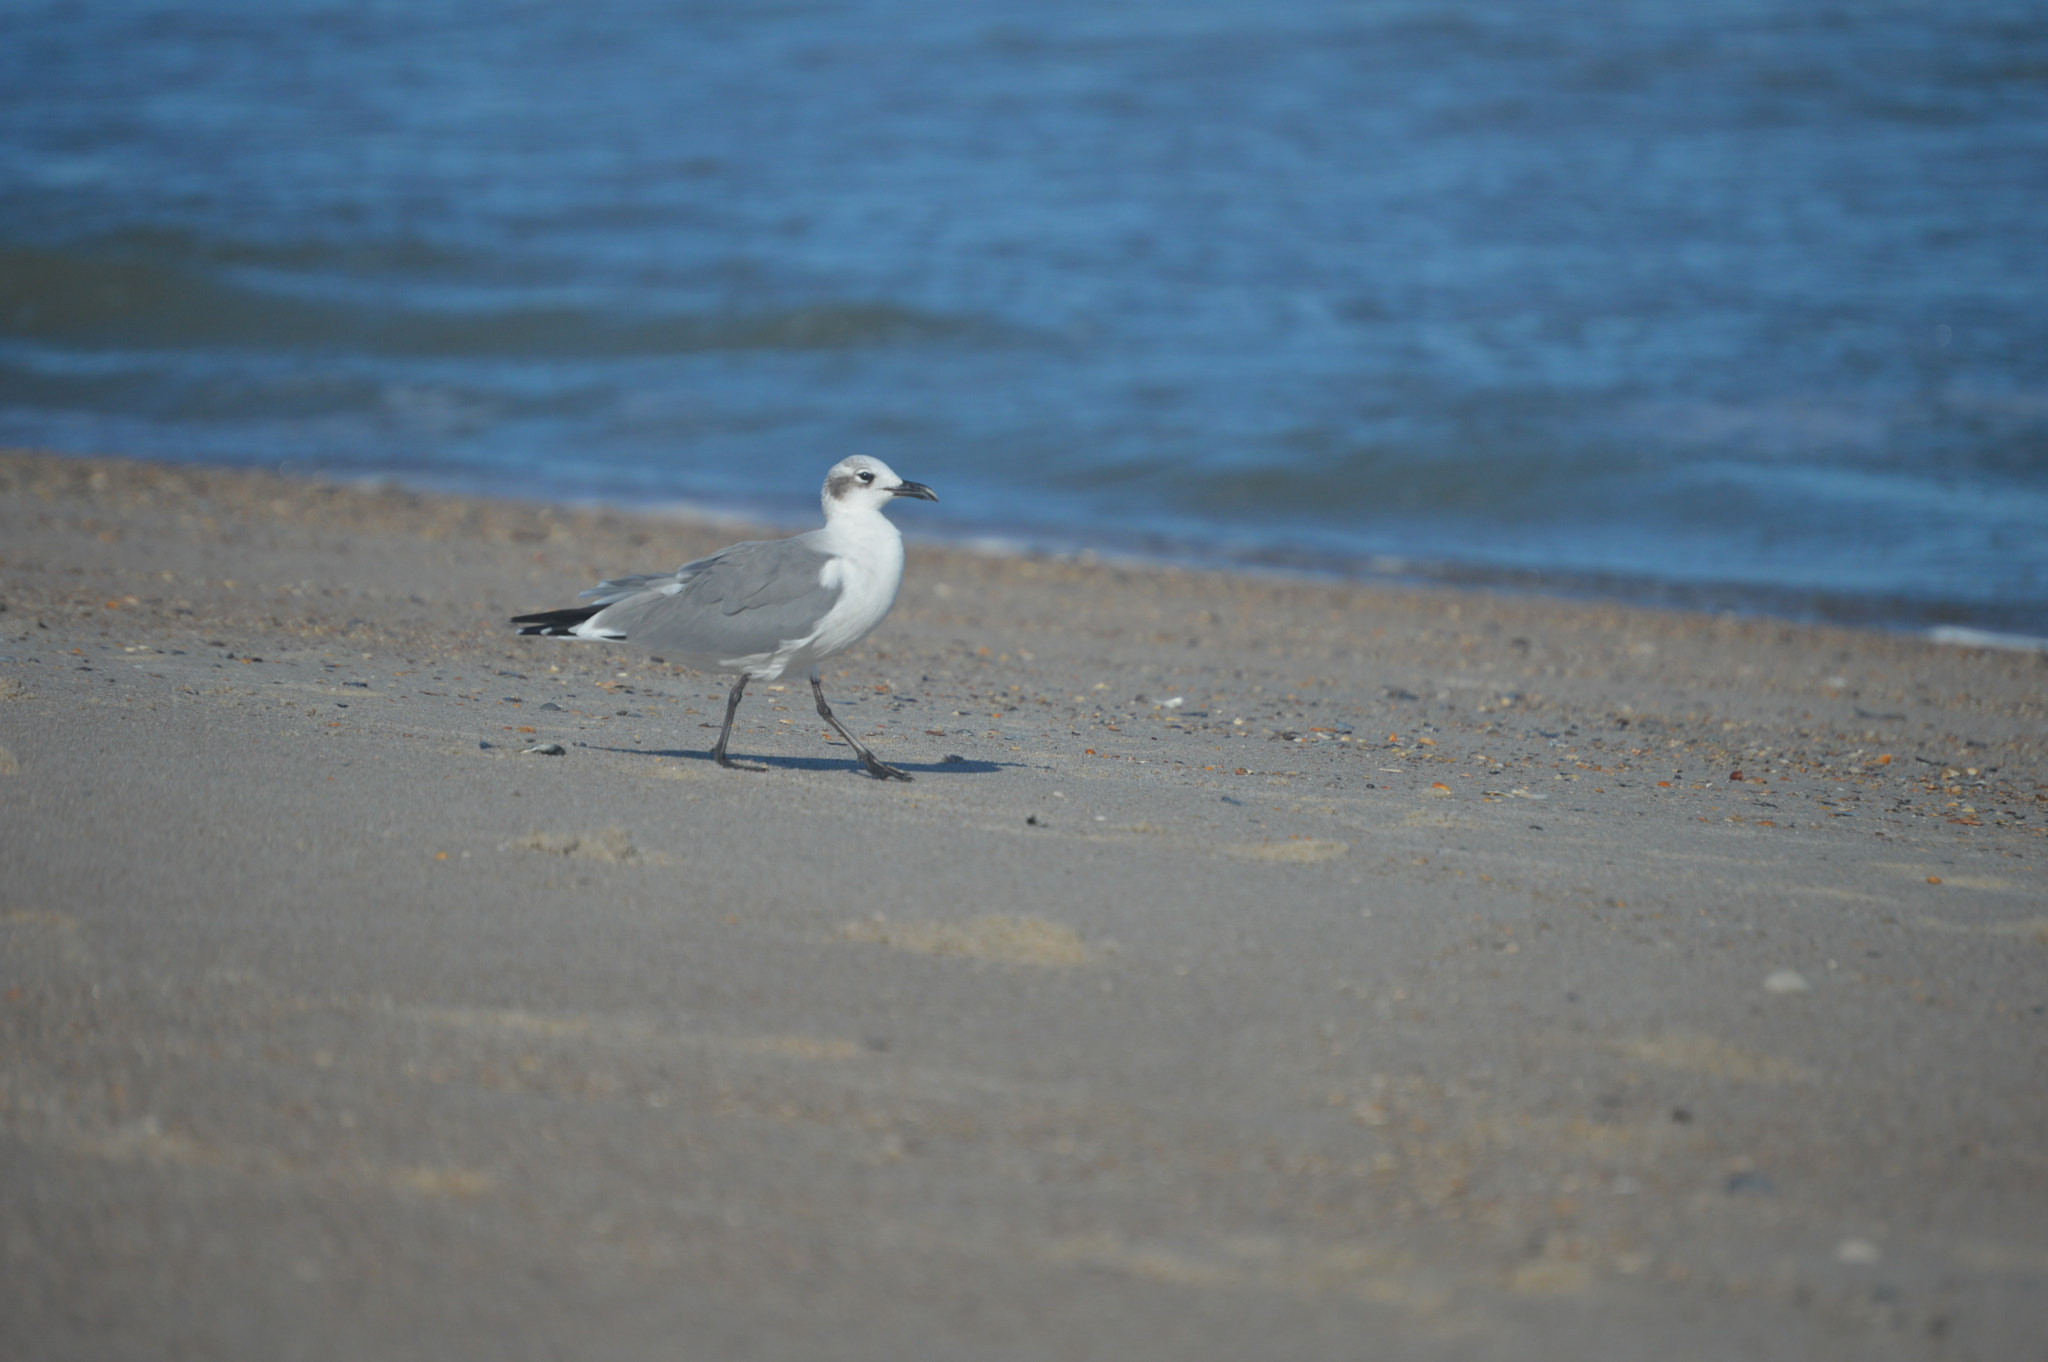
959 766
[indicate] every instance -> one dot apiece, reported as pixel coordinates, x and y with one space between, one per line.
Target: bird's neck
862 534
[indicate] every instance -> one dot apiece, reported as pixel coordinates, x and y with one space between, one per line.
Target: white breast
867 567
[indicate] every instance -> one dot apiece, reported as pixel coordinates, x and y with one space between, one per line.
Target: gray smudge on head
839 484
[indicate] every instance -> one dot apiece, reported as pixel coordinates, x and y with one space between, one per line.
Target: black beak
913 489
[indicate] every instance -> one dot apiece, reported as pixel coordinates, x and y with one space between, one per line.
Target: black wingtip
554 623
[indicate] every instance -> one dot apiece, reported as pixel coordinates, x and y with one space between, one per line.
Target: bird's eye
865 476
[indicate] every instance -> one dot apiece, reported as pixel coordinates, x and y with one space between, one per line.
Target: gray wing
740 601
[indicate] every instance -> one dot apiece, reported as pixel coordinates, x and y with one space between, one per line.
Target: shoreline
1966 623
1255 963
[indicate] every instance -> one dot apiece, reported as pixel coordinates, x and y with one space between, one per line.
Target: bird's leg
879 769
732 707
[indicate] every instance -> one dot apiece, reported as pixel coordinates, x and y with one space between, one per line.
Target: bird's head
862 482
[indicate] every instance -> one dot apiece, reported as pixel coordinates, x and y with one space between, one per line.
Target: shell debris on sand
1713 1058
606 844
1006 940
1787 981
1293 851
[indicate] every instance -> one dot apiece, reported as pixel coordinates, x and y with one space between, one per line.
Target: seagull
765 606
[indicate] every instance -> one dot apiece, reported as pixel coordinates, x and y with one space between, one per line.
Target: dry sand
1256 969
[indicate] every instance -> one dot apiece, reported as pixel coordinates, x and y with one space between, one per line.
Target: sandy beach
1256 968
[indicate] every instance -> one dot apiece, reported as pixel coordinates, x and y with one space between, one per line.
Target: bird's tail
555 623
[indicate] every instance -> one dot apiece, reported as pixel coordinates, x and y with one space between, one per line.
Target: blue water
1736 303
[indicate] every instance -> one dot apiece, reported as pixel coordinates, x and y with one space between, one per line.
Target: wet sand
1256 967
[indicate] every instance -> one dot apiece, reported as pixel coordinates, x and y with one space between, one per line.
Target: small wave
1962 637
114 302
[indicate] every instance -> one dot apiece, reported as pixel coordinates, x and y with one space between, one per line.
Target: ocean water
1740 303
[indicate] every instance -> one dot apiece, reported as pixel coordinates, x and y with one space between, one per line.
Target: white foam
1985 638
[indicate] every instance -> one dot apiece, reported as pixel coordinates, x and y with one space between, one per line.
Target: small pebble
1857 1251
550 705
1787 981
1751 1184
546 749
